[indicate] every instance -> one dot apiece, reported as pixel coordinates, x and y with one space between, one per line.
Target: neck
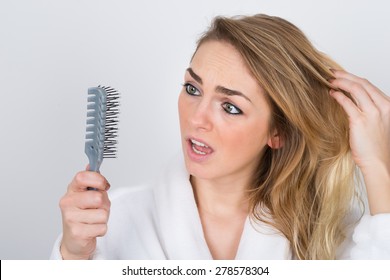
219 198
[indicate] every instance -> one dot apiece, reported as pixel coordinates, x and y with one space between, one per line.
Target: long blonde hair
304 189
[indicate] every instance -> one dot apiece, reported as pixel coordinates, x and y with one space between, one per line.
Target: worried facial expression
224 115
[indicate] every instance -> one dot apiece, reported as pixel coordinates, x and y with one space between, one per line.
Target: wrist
377 182
66 255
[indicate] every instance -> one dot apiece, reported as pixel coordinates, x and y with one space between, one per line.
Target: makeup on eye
190 89
220 89
231 109
228 107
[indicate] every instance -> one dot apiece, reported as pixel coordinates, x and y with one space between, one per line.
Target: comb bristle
111 122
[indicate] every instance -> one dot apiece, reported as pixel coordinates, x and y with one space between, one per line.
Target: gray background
52 51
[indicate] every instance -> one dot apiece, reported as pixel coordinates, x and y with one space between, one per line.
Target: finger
349 107
97 200
357 91
86 200
375 93
90 216
87 231
85 179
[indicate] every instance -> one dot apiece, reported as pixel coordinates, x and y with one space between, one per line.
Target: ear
275 141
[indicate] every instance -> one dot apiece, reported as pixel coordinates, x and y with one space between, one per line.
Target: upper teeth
198 143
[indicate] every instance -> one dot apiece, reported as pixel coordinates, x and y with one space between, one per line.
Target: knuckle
76 232
64 202
79 177
103 229
67 218
365 81
105 215
358 120
342 99
103 183
356 87
375 113
101 180
106 200
98 199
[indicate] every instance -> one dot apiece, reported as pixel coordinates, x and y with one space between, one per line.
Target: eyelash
225 105
187 86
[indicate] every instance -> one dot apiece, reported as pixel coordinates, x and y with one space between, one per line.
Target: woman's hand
369 123
84 214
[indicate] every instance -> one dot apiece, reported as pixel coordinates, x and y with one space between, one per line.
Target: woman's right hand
84 214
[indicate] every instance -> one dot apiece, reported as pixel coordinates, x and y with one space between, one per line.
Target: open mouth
199 147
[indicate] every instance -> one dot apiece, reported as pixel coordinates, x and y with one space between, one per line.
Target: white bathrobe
162 222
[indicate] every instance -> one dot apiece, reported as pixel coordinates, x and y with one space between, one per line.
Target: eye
231 109
191 90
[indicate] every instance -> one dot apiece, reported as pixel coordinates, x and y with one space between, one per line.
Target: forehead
219 63
219 56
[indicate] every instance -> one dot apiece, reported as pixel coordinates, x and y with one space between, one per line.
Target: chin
198 170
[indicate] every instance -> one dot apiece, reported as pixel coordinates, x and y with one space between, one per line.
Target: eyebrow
231 92
193 75
219 89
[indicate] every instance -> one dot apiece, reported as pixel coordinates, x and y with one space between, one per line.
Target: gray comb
102 125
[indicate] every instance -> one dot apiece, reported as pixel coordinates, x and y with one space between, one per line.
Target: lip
194 156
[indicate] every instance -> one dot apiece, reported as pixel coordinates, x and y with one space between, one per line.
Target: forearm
377 181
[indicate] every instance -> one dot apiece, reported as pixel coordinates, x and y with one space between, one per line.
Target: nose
201 117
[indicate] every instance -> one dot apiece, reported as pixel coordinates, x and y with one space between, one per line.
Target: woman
271 135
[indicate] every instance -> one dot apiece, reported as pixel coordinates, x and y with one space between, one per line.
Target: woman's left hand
369 123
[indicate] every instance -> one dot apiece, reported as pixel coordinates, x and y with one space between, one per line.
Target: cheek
182 109
250 138
180 104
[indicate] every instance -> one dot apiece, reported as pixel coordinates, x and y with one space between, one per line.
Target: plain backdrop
52 51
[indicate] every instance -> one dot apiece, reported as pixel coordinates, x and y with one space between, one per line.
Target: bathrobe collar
181 229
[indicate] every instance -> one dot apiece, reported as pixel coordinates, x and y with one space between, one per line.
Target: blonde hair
305 188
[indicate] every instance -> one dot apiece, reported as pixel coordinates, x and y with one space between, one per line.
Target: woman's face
224 116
